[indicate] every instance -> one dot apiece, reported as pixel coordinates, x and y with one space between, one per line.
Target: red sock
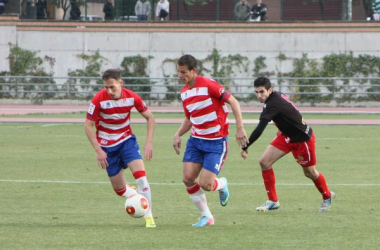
270 184
322 187
139 174
121 191
193 189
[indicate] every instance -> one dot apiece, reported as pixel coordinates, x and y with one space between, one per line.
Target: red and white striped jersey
112 117
204 105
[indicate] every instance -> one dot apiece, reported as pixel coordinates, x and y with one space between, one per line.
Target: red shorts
303 152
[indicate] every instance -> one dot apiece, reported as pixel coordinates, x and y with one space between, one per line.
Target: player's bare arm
241 136
185 126
148 147
101 156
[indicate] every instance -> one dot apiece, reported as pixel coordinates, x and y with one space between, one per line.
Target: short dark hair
188 60
262 82
111 73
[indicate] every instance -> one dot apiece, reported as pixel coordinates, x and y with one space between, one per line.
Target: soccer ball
136 205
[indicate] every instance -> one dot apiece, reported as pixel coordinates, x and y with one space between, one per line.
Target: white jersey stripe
199 105
126 102
205 118
194 92
117 116
109 137
207 131
114 126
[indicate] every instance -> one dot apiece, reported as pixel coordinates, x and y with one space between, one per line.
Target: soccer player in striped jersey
114 143
206 115
294 135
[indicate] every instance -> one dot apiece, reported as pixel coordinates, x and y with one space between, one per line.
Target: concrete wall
64 41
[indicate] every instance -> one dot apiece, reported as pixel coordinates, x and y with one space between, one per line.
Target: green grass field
180 115
54 196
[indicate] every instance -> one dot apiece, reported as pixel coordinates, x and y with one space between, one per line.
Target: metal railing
317 89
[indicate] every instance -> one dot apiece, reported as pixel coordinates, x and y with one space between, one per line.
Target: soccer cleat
224 195
205 221
269 205
149 222
326 204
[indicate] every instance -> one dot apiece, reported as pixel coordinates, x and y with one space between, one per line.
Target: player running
293 135
115 145
206 114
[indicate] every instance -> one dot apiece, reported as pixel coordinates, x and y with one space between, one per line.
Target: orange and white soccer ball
136 205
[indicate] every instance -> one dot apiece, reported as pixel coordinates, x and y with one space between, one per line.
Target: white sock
130 191
126 191
221 183
144 189
200 201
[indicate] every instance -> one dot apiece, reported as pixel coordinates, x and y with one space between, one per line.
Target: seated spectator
162 10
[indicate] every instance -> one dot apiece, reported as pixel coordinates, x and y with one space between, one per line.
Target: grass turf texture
63 200
180 115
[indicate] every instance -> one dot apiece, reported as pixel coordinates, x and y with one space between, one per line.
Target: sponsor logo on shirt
91 109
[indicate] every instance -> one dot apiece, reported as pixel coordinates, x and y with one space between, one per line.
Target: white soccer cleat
269 205
326 204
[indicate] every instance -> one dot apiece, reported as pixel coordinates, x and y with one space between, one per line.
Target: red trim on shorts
193 189
139 174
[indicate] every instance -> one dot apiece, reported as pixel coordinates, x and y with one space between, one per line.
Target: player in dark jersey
293 135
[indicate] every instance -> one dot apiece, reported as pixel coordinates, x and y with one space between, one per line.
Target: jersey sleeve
218 91
269 112
94 109
139 103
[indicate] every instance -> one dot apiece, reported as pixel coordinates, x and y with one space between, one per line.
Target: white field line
180 184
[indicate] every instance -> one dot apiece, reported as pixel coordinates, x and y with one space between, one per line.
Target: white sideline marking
180 184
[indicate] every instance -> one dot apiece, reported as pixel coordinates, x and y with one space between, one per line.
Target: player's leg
138 170
269 157
321 184
119 185
115 171
305 155
215 154
191 171
132 157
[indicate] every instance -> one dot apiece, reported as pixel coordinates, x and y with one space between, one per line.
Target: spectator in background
242 10
2 6
41 9
259 11
75 11
162 10
142 10
108 10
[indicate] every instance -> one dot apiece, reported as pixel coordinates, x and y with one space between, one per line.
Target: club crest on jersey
104 142
91 109
108 104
